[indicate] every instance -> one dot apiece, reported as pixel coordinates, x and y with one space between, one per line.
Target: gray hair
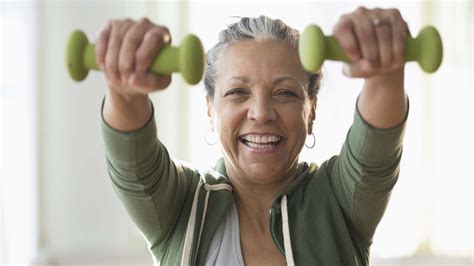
254 28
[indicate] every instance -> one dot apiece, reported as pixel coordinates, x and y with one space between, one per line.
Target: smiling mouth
261 142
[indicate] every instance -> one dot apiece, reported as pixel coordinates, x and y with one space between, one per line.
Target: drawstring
190 229
286 232
192 219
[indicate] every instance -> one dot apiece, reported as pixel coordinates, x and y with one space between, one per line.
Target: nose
262 110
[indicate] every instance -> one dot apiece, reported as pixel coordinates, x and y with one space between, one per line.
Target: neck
254 200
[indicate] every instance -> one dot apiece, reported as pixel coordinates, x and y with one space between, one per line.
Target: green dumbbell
314 48
188 58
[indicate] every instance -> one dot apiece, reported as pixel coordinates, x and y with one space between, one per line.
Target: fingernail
368 65
346 69
166 38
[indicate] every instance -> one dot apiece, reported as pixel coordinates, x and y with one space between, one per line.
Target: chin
266 174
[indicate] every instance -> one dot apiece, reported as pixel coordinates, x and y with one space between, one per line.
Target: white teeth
260 146
261 139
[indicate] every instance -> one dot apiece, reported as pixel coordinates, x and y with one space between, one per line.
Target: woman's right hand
125 50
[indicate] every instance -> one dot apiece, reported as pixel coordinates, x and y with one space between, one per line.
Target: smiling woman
259 204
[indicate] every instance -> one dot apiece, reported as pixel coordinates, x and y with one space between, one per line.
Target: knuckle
110 69
132 39
115 22
352 50
167 81
166 34
377 10
144 21
140 56
395 12
365 37
337 30
121 24
161 82
117 39
125 66
142 61
156 36
165 29
345 18
341 26
361 10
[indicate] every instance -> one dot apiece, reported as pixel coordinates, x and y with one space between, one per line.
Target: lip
256 151
261 134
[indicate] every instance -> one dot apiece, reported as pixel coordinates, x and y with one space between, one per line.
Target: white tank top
225 246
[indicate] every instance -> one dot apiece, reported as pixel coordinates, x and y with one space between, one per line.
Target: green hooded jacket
329 213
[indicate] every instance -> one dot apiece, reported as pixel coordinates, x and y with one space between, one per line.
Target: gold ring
380 22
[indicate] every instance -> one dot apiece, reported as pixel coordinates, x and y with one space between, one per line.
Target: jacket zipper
273 212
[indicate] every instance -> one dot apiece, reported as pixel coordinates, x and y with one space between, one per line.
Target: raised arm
124 51
152 187
368 166
374 40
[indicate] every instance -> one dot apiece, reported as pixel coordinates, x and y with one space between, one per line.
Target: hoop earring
210 135
314 142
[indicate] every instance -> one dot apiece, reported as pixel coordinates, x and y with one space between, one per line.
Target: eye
288 93
236 91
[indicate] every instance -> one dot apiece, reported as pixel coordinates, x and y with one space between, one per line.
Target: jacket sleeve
365 172
151 186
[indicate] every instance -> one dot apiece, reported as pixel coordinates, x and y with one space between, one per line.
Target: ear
312 116
210 111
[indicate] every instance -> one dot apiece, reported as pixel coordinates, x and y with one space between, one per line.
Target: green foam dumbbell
314 48
188 58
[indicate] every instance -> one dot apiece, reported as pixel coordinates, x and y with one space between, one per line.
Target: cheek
227 122
297 118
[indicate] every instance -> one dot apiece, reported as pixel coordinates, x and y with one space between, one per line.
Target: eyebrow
278 80
240 78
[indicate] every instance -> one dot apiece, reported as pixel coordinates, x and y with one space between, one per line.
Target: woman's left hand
373 40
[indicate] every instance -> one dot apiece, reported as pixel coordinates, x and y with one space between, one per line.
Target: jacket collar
302 174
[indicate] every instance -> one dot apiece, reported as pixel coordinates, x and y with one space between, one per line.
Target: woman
259 205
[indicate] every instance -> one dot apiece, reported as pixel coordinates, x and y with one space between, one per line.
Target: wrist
391 80
126 112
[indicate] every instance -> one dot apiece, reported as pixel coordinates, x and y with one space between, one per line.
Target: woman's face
261 110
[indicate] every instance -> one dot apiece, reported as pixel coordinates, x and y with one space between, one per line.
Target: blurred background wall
57 206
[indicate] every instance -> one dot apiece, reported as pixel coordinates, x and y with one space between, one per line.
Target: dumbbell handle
314 48
188 58
163 63
157 66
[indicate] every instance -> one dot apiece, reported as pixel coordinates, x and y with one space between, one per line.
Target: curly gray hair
254 28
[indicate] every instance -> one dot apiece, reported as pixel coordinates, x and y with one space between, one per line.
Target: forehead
260 60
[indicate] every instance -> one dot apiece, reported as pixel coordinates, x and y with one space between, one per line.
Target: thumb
358 69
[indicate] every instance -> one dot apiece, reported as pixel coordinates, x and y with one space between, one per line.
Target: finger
359 69
132 40
147 82
101 45
365 34
384 40
153 41
119 28
344 34
400 32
